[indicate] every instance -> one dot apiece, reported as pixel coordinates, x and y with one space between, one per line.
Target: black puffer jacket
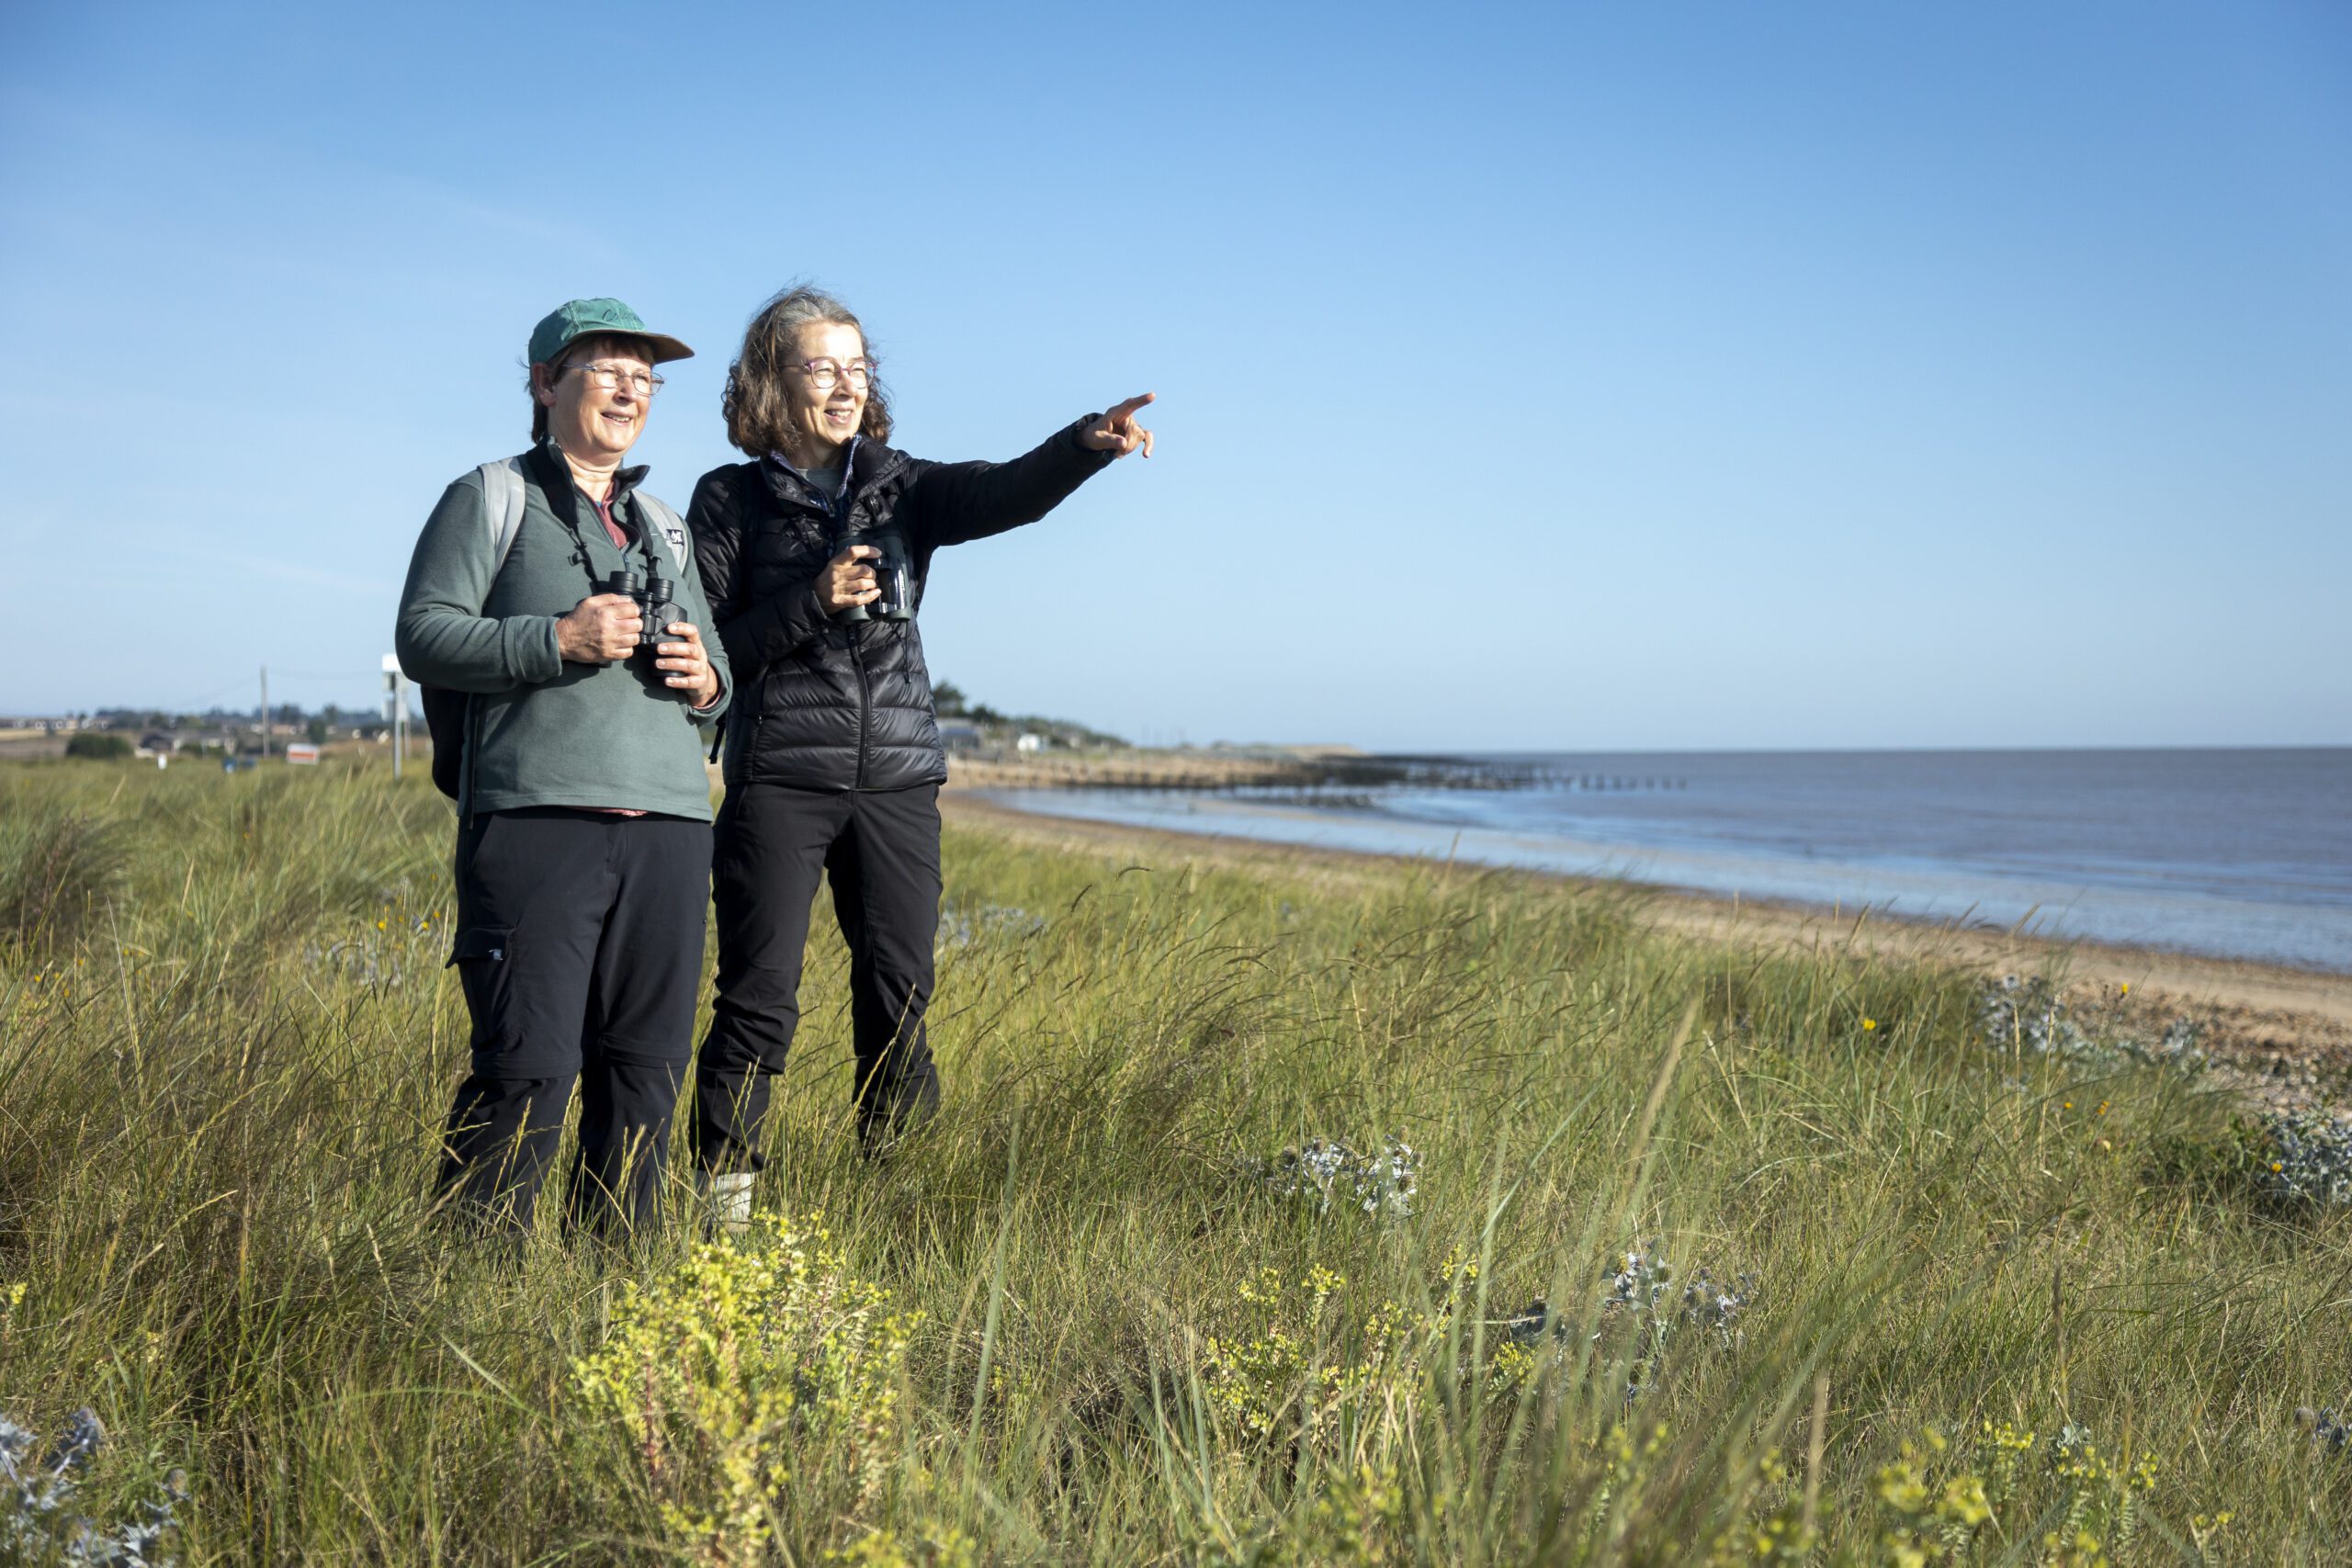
824 705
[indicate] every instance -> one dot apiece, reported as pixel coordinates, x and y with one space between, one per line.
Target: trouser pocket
483 958
485 944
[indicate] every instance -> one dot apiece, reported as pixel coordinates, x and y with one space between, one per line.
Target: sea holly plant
1324 1172
2330 1433
961 927
2029 1016
2304 1159
392 945
1641 1293
1646 1314
39 1523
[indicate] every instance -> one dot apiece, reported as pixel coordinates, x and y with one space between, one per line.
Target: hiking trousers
579 946
879 849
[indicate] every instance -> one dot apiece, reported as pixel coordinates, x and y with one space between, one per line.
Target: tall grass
229 1044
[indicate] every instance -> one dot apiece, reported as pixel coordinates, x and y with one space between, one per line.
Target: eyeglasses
607 378
823 373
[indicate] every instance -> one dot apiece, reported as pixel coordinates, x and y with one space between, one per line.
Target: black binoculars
893 574
656 602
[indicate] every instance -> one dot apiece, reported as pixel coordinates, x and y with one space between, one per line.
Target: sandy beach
2282 1036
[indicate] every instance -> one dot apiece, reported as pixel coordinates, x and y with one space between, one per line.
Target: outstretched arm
953 502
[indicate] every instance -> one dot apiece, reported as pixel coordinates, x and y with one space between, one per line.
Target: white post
396 682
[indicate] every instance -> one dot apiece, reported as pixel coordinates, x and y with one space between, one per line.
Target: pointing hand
1117 432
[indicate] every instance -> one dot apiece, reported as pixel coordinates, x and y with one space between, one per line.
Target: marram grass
1962 1303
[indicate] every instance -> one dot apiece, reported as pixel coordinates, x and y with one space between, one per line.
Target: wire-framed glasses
606 377
825 374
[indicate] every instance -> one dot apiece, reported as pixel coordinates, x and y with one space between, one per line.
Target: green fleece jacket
545 732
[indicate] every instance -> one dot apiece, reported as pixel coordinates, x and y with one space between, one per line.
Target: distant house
1030 742
958 736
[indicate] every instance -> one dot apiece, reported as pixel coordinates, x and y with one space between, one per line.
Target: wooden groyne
1265 772
1118 770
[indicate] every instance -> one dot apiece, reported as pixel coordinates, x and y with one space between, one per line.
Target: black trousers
580 948
880 851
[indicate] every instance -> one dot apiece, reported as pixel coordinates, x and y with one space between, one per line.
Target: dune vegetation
1394 1216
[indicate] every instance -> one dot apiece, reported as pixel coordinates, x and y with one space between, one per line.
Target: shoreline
2278 1033
2236 858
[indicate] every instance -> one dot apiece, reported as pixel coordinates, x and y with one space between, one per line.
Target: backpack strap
502 497
668 525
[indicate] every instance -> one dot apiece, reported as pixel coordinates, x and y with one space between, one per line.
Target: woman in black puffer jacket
834 761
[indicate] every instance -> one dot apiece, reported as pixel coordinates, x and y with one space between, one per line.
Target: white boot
726 1199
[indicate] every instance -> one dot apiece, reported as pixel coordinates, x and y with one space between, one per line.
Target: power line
366 678
214 695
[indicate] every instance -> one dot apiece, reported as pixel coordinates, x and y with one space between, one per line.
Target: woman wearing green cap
553 612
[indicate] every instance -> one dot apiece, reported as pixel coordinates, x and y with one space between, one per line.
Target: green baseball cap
578 318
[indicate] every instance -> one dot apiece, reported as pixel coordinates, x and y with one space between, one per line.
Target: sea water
2234 853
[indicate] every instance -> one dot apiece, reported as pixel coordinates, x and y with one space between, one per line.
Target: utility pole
265 712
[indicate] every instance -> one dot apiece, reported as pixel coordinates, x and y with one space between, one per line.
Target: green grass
227 1044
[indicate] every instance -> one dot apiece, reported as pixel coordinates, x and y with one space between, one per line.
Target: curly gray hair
757 420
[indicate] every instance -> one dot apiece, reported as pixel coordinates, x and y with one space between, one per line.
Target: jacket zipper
847 505
469 760
865 702
856 654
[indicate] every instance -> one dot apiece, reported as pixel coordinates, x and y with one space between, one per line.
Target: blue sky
1576 375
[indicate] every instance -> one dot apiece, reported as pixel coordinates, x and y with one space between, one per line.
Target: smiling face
824 419
588 421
